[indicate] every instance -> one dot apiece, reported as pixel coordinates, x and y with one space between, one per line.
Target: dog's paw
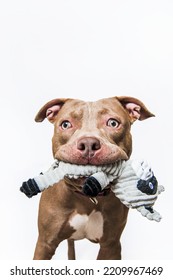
91 187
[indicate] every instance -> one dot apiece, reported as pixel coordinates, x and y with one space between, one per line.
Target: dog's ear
50 110
135 108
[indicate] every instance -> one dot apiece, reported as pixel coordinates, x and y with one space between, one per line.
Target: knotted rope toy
132 181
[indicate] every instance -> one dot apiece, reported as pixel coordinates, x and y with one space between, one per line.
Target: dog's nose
88 146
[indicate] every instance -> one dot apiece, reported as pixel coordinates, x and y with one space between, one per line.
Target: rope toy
132 181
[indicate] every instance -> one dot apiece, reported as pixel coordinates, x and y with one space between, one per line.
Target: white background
89 50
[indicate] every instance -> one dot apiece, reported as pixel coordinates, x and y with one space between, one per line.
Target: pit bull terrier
94 133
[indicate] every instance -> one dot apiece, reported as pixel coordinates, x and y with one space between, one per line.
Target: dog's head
93 133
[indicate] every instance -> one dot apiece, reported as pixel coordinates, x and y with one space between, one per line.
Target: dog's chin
79 182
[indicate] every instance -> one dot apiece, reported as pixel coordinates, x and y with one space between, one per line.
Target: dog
92 133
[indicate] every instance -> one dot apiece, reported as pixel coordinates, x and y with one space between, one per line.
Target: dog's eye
113 123
66 125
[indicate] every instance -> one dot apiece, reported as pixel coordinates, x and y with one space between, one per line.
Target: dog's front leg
115 217
44 250
110 251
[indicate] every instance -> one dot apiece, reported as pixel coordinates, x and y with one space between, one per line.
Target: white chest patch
90 227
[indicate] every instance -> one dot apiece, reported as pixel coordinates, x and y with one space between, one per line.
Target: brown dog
93 133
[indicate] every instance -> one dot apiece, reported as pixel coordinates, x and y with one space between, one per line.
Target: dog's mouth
77 174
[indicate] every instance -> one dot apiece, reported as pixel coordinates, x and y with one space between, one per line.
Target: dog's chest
87 226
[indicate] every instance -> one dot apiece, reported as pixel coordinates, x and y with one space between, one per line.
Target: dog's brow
77 115
103 111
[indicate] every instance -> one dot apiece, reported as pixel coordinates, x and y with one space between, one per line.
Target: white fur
87 226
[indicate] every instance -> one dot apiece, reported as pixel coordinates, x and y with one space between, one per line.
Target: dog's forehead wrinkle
89 116
91 112
103 111
97 110
77 114
74 111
